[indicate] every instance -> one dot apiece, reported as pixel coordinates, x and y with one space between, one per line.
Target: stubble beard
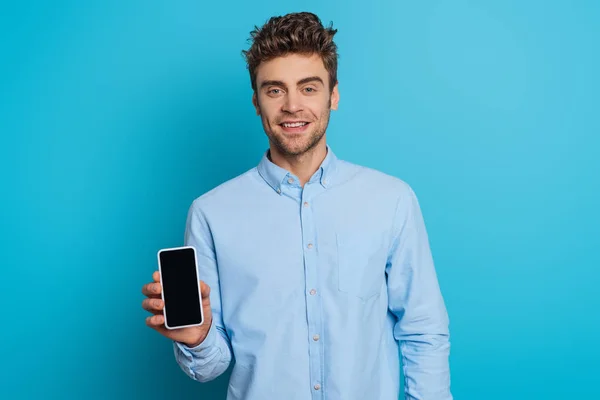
300 145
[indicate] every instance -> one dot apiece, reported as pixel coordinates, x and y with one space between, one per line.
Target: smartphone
180 287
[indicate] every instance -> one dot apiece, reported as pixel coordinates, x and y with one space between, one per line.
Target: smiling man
317 276
295 110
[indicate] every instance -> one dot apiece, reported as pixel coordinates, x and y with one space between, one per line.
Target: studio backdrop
115 115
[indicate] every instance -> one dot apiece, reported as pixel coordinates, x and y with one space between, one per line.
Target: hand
190 336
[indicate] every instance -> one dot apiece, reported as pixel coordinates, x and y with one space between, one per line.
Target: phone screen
180 285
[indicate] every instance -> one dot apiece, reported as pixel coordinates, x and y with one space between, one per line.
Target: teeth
295 124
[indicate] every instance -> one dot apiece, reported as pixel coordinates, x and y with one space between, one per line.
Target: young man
317 273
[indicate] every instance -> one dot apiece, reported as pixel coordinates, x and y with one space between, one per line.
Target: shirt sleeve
415 299
212 357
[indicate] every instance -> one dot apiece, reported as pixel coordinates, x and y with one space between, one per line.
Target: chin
296 148
293 150
294 145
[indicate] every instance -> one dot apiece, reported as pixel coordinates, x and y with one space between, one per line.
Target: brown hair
300 33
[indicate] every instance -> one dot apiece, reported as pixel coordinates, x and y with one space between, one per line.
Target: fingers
153 305
154 289
155 321
151 289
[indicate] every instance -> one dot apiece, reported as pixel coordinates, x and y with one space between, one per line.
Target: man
316 273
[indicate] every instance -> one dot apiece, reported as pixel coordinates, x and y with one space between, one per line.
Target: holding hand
190 336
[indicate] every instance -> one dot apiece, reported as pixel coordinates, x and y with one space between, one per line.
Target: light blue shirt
318 292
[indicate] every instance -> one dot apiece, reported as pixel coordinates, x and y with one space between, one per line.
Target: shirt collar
274 175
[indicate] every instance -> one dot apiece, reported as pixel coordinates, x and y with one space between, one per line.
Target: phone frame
162 291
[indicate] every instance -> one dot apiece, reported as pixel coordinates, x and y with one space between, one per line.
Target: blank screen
180 287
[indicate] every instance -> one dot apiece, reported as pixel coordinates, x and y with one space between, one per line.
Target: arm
212 356
416 300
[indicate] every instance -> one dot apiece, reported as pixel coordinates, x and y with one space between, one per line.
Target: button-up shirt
321 291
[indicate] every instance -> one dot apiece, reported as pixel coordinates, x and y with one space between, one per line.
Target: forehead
291 68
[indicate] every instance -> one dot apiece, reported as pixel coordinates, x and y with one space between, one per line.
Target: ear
335 97
255 103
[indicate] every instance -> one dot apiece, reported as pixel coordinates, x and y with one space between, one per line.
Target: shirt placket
312 293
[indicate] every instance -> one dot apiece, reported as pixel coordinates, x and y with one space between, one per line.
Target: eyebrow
300 82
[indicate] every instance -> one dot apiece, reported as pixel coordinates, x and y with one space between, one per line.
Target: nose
292 103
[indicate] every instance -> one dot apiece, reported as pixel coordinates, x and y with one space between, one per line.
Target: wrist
195 342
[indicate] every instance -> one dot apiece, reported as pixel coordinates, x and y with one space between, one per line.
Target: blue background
115 115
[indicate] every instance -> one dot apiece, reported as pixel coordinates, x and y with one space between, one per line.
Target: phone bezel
162 295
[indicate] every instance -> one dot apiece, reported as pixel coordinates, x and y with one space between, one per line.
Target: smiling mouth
294 124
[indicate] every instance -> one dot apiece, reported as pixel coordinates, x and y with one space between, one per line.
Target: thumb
204 290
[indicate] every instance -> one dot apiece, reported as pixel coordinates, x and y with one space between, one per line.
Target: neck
303 165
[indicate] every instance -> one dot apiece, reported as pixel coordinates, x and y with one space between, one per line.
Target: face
294 102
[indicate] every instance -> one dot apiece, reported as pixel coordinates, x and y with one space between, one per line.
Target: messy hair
301 33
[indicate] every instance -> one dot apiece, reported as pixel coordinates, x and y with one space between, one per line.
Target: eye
310 89
274 91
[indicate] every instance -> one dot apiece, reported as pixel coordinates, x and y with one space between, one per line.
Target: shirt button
317 386
290 180
306 204
278 190
313 292
316 338
324 182
310 246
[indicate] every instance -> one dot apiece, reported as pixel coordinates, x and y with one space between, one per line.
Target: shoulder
226 191
371 178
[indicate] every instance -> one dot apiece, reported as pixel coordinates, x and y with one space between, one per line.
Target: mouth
294 126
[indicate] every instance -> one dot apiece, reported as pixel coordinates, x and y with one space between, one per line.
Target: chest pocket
361 260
